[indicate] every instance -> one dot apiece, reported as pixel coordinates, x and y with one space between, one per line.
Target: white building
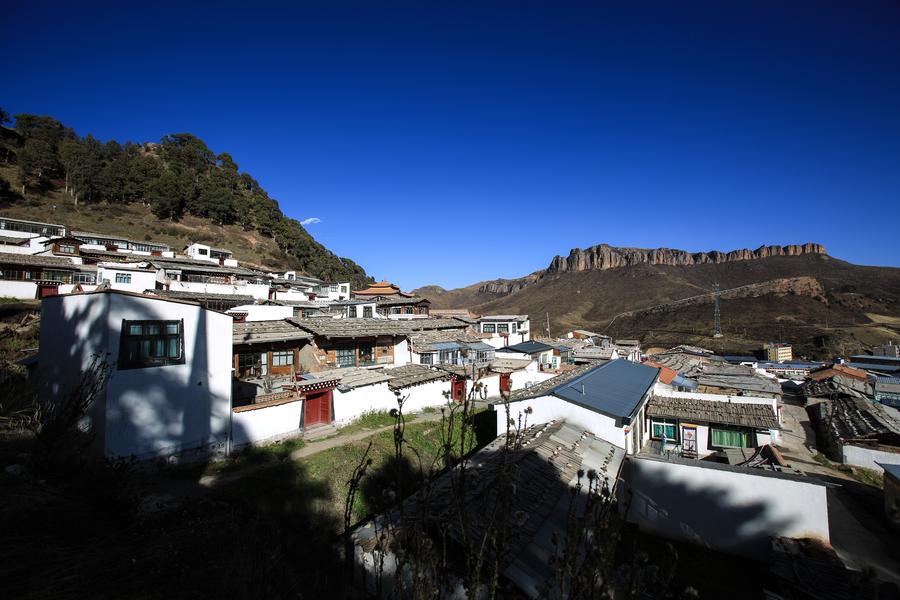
261 312
697 425
31 276
505 330
21 242
608 400
169 387
128 277
215 255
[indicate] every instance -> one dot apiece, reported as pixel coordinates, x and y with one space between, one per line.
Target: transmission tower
717 333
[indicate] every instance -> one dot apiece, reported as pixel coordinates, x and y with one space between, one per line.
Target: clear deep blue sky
451 142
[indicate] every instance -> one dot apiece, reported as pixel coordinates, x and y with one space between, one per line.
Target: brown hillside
136 221
822 304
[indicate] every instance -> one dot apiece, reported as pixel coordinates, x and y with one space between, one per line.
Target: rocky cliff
603 257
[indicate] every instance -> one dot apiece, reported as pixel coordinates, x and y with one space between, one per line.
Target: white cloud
311 221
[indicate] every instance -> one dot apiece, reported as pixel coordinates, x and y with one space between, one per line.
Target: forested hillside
177 177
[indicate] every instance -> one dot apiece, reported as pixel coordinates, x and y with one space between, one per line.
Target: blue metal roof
874 367
890 469
444 346
867 357
614 388
529 347
682 381
479 346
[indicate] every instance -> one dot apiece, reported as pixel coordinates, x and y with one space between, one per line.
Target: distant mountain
662 296
175 191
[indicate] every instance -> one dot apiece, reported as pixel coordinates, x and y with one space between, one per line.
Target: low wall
353 403
266 424
730 509
18 289
862 456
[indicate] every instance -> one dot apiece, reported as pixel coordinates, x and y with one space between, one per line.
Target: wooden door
459 390
504 382
318 409
45 291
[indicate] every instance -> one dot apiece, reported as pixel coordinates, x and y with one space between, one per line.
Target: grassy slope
137 222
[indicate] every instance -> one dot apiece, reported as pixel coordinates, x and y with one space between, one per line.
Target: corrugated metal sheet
614 388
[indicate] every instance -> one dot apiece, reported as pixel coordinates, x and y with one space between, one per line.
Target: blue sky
451 142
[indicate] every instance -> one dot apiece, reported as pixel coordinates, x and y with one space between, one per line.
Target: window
346 356
730 437
67 249
123 277
351 312
366 354
202 251
333 287
426 359
151 344
343 289
448 357
282 358
513 327
249 364
367 311
84 278
488 328
669 427
502 327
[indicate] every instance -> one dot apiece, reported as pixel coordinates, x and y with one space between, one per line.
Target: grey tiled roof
202 266
490 318
201 296
352 377
259 332
395 301
544 472
53 262
18 241
423 341
713 411
748 383
366 327
409 375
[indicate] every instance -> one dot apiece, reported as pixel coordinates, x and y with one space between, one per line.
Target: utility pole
717 326
548 325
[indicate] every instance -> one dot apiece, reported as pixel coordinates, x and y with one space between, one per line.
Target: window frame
426 358
488 328
351 312
654 421
367 312
123 278
128 362
749 433
346 351
502 327
282 358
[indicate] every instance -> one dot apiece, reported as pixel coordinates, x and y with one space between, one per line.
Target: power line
717 327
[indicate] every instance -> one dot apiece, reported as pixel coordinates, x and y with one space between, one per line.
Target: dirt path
161 493
341 439
856 534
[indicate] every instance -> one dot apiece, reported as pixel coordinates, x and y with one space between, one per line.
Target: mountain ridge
796 293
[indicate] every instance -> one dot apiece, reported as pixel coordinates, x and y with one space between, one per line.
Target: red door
504 382
318 409
459 390
45 290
